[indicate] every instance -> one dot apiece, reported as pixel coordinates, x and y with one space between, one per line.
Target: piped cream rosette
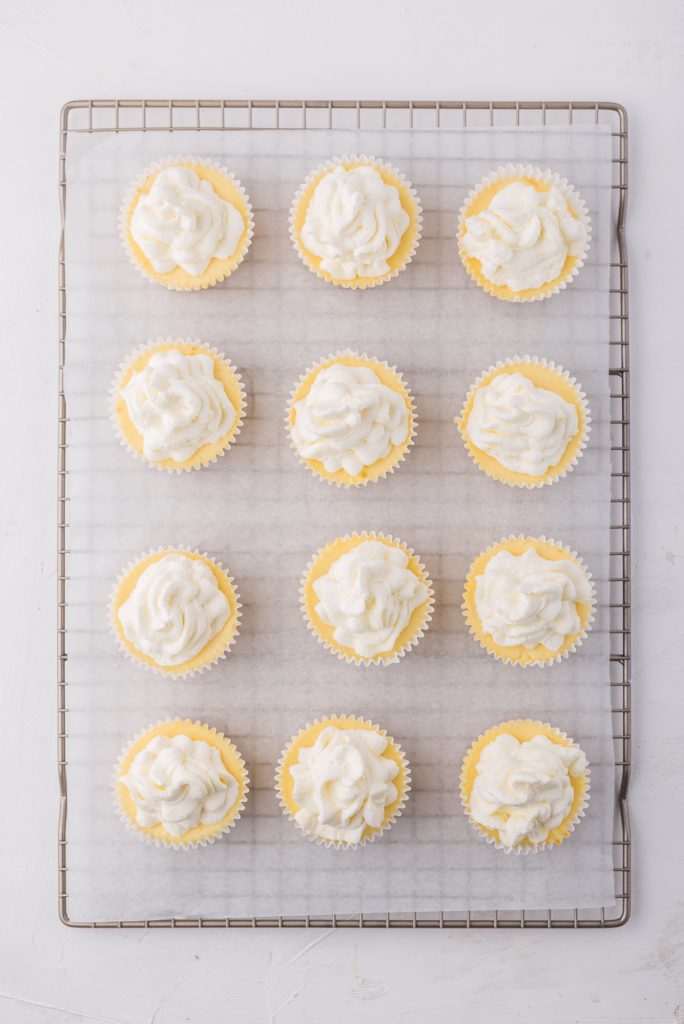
343 781
186 223
529 601
356 222
525 422
175 611
177 404
180 784
367 598
524 786
523 233
351 419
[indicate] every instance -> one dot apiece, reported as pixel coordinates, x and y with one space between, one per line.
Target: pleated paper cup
410 201
306 737
217 648
227 187
321 563
390 377
543 374
224 372
479 198
538 656
200 835
524 730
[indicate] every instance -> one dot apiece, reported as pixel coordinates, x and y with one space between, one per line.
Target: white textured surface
627 51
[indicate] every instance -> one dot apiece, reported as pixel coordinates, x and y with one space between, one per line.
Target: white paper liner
110 523
581 398
168 672
538 662
371 362
151 347
493 840
155 168
339 844
351 657
570 193
166 843
329 165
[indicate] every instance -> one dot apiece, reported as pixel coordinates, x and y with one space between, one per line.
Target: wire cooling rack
113 116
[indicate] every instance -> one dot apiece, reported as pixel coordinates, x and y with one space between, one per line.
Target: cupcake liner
172 672
169 844
314 177
585 428
473 619
579 208
194 462
130 196
347 654
489 835
314 465
397 809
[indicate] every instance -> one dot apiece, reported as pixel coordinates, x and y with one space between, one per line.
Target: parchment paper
262 515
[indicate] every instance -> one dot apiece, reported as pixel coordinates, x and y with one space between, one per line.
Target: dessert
180 784
523 233
529 600
351 419
177 405
525 422
355 222
186 223
343 781
367 598
524 786
176 611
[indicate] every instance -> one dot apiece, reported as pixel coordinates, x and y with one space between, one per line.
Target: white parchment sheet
262 514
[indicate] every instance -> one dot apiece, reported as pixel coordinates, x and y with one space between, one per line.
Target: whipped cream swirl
369 595
349 419
175 609
524 790
354 222
523 237
527 599
179 783
342 784
177 405
522 426
182 222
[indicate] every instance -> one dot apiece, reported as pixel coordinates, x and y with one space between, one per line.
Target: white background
631 52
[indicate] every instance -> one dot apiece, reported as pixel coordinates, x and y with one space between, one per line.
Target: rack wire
117 116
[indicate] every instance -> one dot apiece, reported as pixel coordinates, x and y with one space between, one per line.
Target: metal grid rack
97 116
